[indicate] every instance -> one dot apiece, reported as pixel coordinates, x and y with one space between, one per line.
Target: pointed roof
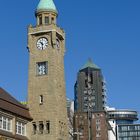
47 5
10 104
90 64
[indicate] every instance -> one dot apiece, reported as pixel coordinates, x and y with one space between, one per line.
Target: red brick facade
98 129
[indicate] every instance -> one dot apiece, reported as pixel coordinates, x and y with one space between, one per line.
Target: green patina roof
46 5
90 64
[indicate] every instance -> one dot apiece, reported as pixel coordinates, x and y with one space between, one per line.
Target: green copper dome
90 64
46 5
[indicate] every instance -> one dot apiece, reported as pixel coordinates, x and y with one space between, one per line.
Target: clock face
42 43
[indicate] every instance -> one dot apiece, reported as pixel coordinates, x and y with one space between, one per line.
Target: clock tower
46 83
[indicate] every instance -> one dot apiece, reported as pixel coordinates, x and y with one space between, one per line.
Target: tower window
41 99
48 126
40 20
42 68
34 128
41 127
52 19
46 20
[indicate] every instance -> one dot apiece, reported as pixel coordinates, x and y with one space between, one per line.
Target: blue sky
106 31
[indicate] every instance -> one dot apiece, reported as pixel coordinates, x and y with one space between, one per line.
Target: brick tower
90 121
46 84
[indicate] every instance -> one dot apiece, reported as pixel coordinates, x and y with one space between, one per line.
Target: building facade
90 120
90 89
46 84
122 125
128 132
14 118
94 128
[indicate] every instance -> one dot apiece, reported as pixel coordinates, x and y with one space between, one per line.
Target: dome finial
46 5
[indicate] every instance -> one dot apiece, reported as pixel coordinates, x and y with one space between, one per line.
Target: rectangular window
46 20
41 127
34 128
5 123
41 99
98 121
40 20
48 126
42 68
98 128
20 128
52 20
98 134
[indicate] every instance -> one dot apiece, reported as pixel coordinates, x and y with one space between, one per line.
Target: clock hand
41 43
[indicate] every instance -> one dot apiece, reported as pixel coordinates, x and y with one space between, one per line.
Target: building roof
10 104
123 114
90 64
46 5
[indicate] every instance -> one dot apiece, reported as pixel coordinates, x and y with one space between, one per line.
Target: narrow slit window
41 127
41 99
48 126
34 128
